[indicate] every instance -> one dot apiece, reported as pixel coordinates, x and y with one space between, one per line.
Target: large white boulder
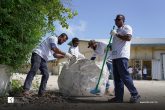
79 78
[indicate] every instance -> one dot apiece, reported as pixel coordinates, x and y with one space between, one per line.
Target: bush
16 88
23 23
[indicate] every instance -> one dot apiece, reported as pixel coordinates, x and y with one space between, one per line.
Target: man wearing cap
99 49
120 55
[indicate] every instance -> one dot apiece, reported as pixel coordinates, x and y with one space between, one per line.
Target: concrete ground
152 96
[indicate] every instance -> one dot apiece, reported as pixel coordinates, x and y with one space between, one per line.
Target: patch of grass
16 88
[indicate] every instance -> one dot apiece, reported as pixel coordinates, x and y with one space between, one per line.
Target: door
147 64
163 65
156 70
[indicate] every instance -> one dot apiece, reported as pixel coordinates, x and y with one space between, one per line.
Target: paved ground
152 97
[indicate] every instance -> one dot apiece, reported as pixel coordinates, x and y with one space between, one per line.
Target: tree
24 22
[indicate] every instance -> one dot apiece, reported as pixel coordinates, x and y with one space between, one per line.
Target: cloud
74 30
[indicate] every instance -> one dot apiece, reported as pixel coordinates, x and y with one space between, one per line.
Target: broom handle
104 61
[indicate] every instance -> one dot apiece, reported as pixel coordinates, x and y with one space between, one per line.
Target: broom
96 90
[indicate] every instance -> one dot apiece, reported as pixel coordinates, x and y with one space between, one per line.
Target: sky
95 18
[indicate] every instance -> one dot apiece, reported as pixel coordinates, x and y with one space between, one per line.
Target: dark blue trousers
37 62
121 77
109 66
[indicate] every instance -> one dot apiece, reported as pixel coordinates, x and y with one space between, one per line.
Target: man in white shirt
99 49
120 55
39 60
140 74
130 70
144 73
74 49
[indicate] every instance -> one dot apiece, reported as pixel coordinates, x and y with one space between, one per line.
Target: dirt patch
50 97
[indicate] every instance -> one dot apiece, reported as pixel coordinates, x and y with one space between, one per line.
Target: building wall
83 47
144 53
157 54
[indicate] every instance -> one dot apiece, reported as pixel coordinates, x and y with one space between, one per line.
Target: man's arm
58 55
57 51
126 37
53 45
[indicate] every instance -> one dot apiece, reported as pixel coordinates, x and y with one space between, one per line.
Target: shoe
26 94
42 94
115 100
108 93
135 99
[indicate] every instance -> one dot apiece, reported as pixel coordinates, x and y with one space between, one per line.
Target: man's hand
58 55
109 46
72 60
68 55
113 32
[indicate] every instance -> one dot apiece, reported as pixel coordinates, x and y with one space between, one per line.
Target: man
144 73
130 70
99 49
140 74
39 60
120 55
74 49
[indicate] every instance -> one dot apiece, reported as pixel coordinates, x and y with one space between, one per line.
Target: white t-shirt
144 71
44 48
101 50
121 48
140 72
130 70
75 51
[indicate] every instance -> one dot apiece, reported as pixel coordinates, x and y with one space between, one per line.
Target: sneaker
115 100
41 94
26 94
135 99
108 93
